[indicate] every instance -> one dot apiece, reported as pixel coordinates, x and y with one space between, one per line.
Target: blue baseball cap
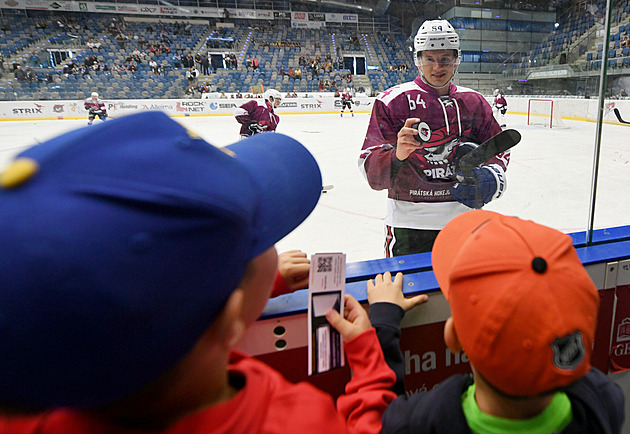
120 245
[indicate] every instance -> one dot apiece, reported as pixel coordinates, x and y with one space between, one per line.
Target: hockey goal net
545 112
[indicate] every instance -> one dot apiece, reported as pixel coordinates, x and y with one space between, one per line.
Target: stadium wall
52 110
570 108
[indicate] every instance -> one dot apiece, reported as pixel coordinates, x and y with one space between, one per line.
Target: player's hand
485 183
355 319
383 290
406 143
294 267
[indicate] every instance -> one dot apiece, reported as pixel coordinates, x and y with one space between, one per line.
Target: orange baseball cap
523 306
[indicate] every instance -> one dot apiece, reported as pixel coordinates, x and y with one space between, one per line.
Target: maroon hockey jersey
418 187
256 111
95 105
499 101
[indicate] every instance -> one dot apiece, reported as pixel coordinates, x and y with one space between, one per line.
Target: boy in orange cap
524 310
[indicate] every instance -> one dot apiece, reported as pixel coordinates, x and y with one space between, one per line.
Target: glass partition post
600 119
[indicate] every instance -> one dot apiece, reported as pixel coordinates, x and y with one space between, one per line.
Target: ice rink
549 176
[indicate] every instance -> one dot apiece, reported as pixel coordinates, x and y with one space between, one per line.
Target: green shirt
553 419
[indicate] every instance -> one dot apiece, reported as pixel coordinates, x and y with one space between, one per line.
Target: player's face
438 67
277 102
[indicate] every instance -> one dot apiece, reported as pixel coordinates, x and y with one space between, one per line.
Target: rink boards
280 336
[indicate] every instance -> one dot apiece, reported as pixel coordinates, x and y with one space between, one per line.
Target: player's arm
242 113
379 148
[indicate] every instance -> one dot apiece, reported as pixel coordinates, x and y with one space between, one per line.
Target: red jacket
267 403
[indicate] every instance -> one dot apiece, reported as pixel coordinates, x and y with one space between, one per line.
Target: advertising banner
46 110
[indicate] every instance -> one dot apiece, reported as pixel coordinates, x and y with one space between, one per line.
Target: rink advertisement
51 110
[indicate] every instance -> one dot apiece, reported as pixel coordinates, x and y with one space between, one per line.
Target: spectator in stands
625 40
30 75
298 73
177 60
288 95
254 63
19 73
623 93
191 75
291 73
238 94
205 65
223 95
295 95
153 66
33 59
190 61
281 72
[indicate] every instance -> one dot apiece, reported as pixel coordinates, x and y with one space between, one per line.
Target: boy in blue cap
132 265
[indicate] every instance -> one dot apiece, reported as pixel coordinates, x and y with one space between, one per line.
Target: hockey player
420 172
258 116
346 101
95 107
499 108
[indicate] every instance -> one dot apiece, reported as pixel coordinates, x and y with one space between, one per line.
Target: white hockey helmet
272 95
496 92
436 35
94 94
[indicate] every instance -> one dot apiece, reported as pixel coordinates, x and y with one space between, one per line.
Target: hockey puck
424 132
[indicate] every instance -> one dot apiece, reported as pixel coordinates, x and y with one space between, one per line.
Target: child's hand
355 319
383 290
294 267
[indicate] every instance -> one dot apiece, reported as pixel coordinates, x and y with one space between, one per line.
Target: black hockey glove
256 128
503 110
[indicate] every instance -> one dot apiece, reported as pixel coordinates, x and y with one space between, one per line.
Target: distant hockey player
499 108
257 116
417 132
95 107
346 101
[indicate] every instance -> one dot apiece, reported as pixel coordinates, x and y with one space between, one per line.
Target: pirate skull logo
438 154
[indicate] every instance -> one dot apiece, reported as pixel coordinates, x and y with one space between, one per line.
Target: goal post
545 112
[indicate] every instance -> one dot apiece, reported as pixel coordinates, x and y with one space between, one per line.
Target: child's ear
230 323
450 336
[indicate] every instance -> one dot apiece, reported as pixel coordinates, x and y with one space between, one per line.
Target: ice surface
549 176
